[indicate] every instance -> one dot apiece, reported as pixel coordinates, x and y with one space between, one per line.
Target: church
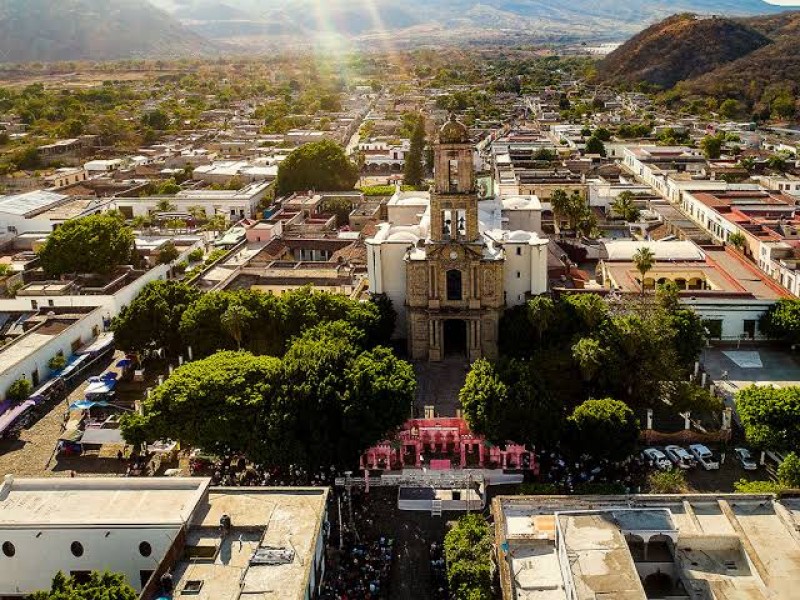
452 264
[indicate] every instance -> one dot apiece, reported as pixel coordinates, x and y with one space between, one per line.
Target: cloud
783 2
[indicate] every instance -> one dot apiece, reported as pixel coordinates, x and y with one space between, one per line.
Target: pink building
442 444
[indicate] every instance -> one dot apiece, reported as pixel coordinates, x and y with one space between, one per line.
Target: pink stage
449 444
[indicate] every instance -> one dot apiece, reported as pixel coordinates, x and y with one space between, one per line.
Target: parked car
704 456
657 458
680 457
745 459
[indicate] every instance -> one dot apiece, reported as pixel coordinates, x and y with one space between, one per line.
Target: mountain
741 58
680 47
422 21
53 30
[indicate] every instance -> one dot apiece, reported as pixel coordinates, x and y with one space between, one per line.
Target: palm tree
624 206
234 321
164 205
644 259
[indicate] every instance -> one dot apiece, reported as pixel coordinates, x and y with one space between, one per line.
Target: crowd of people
567 475
438 572
233 470
362 571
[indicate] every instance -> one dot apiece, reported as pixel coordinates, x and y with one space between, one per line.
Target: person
166 582
225 524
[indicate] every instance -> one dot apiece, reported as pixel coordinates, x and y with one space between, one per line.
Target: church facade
448 264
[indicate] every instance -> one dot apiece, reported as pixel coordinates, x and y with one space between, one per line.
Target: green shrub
196 255
667 482
743 486
58 362
19 390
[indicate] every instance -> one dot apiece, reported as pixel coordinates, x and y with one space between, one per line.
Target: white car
745 459
657 458
680 457
704 457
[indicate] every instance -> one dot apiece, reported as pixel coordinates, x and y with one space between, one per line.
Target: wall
42 551
83 330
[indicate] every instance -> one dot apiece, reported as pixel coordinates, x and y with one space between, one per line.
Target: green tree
789 470
782 321
167 254
625 207
737 240
226 400
19 390
643 260
604 428
777 162
58 362
594 145
413 173
468 551
667 482
93 244
153 318
730 108
711 146
156 119
316 166
100 586
770 417
235 321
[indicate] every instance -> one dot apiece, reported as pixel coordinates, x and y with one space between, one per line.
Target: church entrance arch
455 337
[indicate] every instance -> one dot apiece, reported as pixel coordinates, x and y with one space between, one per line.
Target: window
519 275
51 302
454 284
34 304
750 328
77 549
8 549
145 549
519 251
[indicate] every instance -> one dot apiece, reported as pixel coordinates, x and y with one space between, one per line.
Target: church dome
453 132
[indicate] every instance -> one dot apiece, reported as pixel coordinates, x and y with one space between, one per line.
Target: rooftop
30 202
742 546
91 502
283 523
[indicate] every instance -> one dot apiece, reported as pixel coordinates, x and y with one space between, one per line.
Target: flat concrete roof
743 546
98 502
599 558
262 518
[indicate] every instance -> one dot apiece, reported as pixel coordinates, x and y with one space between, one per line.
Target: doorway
455 337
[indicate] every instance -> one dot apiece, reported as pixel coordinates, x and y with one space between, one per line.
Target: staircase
436 508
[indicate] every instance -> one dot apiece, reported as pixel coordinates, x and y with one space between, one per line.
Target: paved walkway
438 385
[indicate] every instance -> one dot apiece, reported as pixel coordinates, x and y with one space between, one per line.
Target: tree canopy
93 244
100 586
153 318
316 166
326 401
604 428
509 402
770 416
468 550
782 321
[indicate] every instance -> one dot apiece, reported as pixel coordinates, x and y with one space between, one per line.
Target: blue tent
87 404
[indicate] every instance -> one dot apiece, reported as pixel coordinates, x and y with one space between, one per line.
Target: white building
42 211
142 527
509 225
236 204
